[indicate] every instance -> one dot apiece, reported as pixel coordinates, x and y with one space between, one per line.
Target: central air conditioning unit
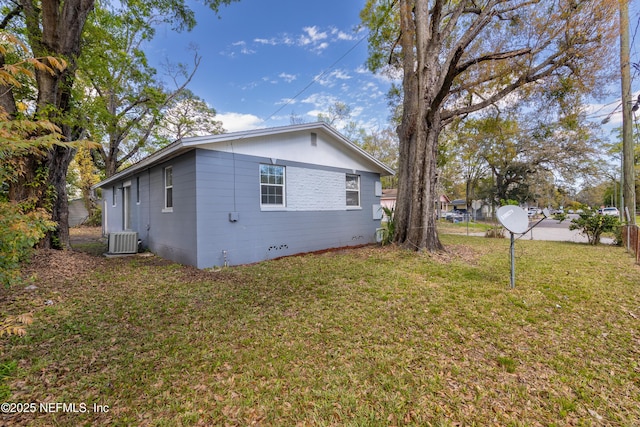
123 242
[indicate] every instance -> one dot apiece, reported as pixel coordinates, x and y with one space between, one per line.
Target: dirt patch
463 253
86 235
48 266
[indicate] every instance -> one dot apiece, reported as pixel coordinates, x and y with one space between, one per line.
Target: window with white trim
168 188
353 189
272 185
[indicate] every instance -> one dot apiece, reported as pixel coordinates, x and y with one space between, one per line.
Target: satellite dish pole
516 220
512 251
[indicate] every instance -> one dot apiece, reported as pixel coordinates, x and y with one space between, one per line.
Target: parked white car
613 211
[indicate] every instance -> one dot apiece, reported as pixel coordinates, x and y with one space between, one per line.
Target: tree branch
492 57
543 70
17 10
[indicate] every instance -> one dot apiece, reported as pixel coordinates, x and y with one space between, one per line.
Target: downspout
148 207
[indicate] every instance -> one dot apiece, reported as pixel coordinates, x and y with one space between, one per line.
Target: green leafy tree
383 145
123 100
338 112
187 115
51 29
21 224
55 29
458 58
462 161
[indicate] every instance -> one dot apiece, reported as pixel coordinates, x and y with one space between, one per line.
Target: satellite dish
514 219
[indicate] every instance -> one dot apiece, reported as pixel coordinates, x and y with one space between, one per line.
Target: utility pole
628 172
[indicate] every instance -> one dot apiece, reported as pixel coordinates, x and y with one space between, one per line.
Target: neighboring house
479 209
389 197
460 205
445 205
78 213
243 197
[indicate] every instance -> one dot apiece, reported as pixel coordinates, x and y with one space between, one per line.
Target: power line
317 78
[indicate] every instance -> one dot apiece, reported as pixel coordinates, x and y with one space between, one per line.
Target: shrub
95 218
495 232
19 232
389 226
593 224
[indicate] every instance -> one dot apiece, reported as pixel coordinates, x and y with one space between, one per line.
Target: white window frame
271 184
350 190
167 187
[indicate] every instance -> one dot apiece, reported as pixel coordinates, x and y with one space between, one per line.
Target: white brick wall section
315 190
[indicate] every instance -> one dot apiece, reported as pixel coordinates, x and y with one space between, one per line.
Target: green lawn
365 337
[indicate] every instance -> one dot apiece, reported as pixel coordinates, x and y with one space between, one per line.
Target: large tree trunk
421 124
54 28
417 193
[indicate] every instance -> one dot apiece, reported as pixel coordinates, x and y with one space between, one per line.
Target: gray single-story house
248 196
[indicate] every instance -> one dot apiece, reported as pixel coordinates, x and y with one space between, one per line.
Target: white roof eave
191 143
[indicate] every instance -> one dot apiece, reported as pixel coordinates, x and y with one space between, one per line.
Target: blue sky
263 61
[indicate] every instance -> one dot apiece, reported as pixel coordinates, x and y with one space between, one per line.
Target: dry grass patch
373 336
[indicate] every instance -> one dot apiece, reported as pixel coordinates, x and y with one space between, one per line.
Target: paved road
551 229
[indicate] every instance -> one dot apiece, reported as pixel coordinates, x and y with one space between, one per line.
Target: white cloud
286 101
234 122
243 48
329 80
341 35
312 35
312 38
235 47
287 77
610 113
271 41
320 101
357 111
287 40
387 76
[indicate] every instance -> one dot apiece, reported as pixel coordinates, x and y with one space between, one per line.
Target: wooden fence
631 240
